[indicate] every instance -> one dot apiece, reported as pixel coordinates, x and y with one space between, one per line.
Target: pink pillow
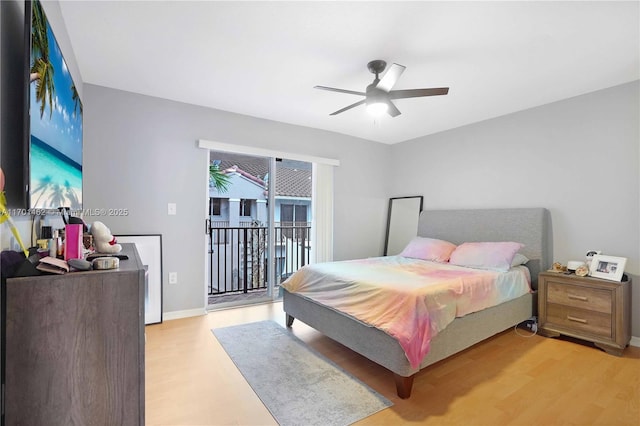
428 249
493 256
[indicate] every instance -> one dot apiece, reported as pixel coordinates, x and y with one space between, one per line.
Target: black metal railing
238 255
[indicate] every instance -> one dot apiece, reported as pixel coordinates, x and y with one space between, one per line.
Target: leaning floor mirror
402 223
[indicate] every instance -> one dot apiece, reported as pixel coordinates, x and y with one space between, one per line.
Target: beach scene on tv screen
55 151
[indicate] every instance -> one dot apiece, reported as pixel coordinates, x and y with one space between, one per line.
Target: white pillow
494 256
519 259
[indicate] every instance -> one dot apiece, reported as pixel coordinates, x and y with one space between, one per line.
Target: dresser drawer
592 299
592 322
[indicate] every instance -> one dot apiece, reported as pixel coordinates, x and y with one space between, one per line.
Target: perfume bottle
59 247
53 247
53 250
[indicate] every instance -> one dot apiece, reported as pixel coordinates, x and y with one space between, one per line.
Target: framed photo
607 267
149 248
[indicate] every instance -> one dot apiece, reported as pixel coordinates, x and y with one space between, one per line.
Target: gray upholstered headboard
529 226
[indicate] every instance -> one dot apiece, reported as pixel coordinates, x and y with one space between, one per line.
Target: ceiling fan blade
391 77
348 107
392 110
416 93
333 89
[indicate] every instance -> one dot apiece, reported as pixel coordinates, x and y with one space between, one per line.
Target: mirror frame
393 201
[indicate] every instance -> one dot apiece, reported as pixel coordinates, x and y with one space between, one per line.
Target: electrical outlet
172 209
173 278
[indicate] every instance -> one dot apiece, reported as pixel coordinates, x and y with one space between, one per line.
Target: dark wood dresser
587 308
75 347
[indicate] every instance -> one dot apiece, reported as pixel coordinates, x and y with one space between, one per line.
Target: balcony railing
238 255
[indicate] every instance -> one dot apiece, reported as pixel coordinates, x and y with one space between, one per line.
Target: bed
529 226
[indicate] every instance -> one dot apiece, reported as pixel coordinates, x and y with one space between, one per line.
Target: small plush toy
103 241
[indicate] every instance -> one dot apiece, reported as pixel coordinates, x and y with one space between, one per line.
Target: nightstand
587 308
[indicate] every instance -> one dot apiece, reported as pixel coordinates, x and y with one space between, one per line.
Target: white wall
578 157
140 154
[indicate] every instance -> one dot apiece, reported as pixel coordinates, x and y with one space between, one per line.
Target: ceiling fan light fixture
377 108
376 101
379 94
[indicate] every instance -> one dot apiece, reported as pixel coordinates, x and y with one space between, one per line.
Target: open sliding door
258 225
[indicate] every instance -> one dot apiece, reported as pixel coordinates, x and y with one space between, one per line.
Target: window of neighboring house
300 220
293 215
286 214
215 206
245 207
300 215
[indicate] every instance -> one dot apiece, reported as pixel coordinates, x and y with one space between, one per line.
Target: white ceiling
263 58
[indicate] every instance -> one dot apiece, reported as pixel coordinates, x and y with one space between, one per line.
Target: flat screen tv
55 120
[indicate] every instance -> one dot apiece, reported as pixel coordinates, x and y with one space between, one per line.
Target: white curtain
322 220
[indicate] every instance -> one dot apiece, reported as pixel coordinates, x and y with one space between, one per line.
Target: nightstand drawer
591 299
597 323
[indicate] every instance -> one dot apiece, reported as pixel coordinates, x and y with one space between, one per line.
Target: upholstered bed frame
529 226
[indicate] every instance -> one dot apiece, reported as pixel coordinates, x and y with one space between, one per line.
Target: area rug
297 385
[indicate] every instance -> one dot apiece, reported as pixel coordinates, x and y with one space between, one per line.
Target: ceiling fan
378 94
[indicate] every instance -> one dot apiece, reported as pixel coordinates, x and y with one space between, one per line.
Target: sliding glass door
258 225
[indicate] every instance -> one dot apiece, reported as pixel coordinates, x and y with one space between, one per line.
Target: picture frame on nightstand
607 267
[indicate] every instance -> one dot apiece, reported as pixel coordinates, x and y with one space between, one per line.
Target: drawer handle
574 297
580 320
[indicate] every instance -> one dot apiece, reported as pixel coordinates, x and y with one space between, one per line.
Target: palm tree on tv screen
57 196
76 99
44 183
70 194
42 69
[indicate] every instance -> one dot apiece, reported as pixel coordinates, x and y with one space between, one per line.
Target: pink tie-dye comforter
410 299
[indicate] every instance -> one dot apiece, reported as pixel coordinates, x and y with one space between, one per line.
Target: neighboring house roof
291 181
236 169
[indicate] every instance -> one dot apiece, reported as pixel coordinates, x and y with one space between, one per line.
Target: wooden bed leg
289 320
403 385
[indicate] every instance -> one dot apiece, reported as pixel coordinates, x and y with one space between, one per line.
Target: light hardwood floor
505 380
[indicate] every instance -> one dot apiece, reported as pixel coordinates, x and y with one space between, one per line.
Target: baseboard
635 341
168 316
